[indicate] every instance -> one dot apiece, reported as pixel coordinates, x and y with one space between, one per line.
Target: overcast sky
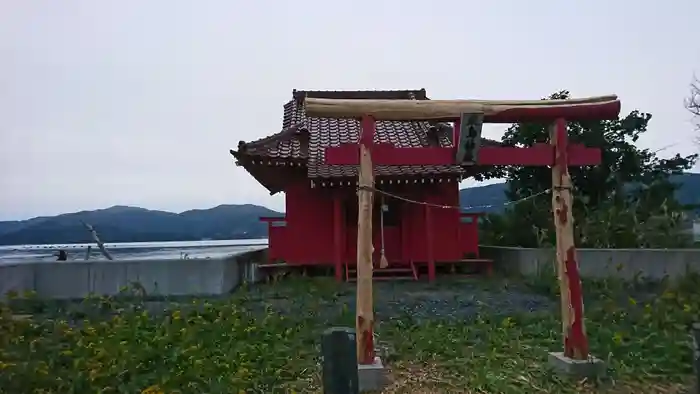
138 102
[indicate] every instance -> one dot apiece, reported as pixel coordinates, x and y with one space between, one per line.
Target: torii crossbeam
468 115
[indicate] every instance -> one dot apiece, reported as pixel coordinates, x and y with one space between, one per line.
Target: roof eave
246 161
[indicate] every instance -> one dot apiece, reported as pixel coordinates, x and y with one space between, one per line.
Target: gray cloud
137 103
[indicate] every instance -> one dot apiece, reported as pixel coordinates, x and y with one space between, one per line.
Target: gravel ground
418 301
421 301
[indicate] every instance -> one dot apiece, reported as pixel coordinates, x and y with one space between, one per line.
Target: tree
692 103
627 201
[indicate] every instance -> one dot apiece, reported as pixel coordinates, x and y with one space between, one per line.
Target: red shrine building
412 152
417 225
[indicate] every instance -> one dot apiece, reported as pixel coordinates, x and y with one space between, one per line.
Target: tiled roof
284 145
331 132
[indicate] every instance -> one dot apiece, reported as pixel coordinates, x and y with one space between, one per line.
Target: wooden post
575 340
365 249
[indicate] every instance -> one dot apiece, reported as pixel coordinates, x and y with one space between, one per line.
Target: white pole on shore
97 240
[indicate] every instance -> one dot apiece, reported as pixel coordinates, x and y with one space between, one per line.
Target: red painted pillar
456 126
337 236
272 246
575 339
406 256
429 240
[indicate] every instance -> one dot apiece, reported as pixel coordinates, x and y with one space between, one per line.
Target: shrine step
384 274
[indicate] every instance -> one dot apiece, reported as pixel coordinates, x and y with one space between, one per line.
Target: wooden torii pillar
559 154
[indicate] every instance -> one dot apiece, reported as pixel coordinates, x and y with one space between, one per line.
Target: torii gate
468 116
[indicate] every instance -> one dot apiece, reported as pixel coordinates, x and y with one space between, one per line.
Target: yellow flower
617 338
155 389
508 323
242 372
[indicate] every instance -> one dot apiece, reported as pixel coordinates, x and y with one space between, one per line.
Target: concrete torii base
372 377
591 368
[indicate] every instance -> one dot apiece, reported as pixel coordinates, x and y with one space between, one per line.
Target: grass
246 343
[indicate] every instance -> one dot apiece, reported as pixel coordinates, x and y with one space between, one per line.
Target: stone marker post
338 349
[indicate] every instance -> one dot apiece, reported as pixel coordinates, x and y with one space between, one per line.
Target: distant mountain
689 193
131 224
494 198
489 198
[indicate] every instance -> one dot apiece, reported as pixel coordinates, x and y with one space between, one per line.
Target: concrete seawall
216 276
165 277
599 263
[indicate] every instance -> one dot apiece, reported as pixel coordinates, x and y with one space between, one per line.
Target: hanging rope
383 262
505 204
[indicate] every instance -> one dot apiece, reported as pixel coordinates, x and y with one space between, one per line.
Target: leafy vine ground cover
458 336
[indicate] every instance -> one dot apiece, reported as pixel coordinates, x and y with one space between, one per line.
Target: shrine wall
445 224
599 263
309 230
307 237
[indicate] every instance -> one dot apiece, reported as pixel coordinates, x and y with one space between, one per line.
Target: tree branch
692 103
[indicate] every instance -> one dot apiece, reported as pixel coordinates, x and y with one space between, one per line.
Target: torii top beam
503 111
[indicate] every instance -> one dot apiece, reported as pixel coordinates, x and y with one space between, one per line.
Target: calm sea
132 250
